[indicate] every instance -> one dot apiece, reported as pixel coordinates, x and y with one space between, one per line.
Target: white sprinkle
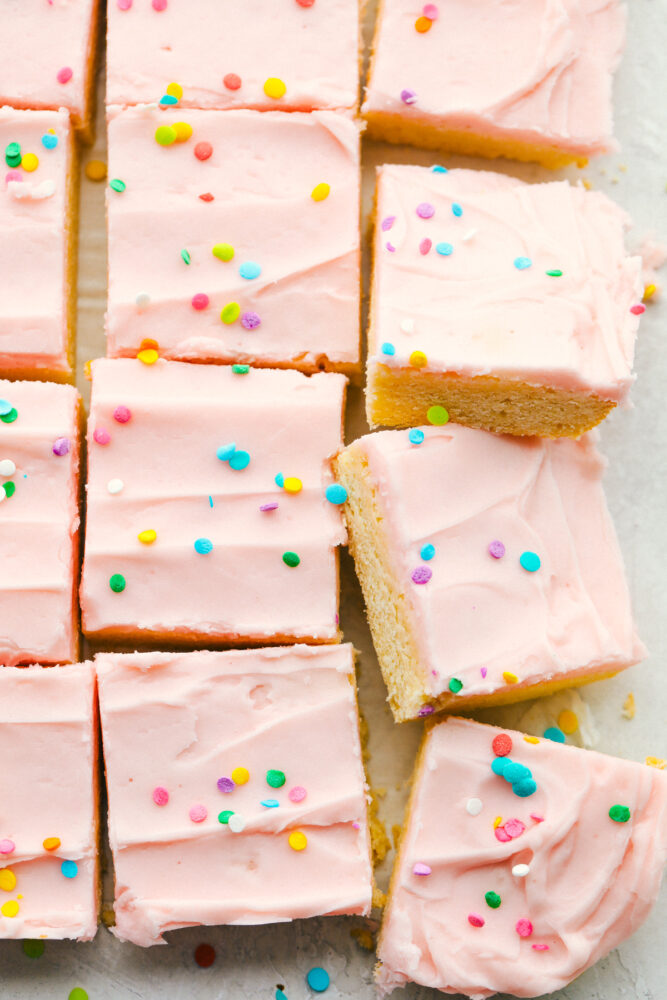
520 870
469 235
115 485
237 823
474 807
408 325
7 467
30 191
142 300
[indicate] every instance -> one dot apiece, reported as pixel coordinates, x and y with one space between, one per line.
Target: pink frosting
307 295
185 721
474 312
313 48
48 789
33 245
535 71
490 614
39 41
591 880
40 523
160 472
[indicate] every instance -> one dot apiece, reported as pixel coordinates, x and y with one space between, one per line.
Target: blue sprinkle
318 979
437 169
210 500
70 869
168 99
280 480
524 788
270 803
427 552
203 546
388 349
457 210
555 734
5 407
516 772
336 493
49 141
239 460
416 436
225 452
444 249
280 995
530 561
499 764
521 263
250 270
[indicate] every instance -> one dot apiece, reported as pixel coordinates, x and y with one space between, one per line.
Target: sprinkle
240 460
430 11
160 796
240 775
168 100
474 807
204 955
100 436
148 355
419 868
274 88
531 739
49 140
297 841
425 710
475 920
522 263
444 249
70 869
292 485
649 292
124 4
232 81
272 505
437 415
225 816
291 559
203 546
175 90
619 814
387 223
203 150
455 685
530 561
422 574
225 785
117 185
496 549
9 489
320 191
223 251
502 745
250 320
469 235
29 162
336 494
524 928
514 828
200 301
142 300
198 813
540 947
427 552
415 436
492 899
237 823
658 762
122 414
240 369
457 210
425 210
185 256
61 446
635 310
183 131
8 413
276 779
7 467
408 96
7 880
269 803
537 818
388 349
297 793
554 273
206 197
230 313
64 75
425 246
33 949
279 480
117 583
318 979
225 452
423 24
390 247
250 270
51 843
159 5
418 359
483 671
524 787
10 908
165 135
115 486
554 734
509 677
520 871
568 721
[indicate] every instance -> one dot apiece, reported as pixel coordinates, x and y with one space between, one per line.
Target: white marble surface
252 962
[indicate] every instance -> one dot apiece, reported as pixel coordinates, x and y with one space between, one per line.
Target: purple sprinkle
421 575
388 222
61 446
269 506
419 868
426 709
225 785
390 247
356 826
425 210
250 321
408 96
483 671
425 246
497 549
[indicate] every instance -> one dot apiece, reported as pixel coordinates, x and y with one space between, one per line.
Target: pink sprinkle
250 321
426 709
409 96
64 75
524 928
232 81
203 150
7 846
122 414
514 827
100 436
422 574
483 671
197 813
537 817
61 447
475 920
272 505
206 197
13 175
160 796
638 309
425 210
430 11
425 246
540 947
124 4
159 4
502 835
200 301
496 549
297 794
390 247
387 223
419 868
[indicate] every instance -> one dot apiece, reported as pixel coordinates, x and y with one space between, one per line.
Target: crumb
108 916
629 706
396 834
380 843
587 184
623 168
380 791
658 762
379 898
364 938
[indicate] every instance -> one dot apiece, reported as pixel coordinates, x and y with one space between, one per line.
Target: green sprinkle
116 184
555 273
230 313
275 778
223 817
9 488
9 418
185 254
291 559
240 369
117 583
619 814
437 415
13 154
455 685
78 994
492 900
223 251
33 949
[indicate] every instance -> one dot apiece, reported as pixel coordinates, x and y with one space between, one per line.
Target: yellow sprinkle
174 90
183 131
649 292
7 879
240 775
568 722
51 843
418 359
29 162
497 821
96 170
629 706
320 192
297 841
148 355
10 908
658 762
509 677
531 739
293 485
274 88
148 536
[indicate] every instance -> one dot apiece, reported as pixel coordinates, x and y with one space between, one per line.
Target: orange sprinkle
423 24
96 170
51 843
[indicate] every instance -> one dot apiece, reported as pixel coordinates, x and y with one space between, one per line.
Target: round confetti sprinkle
502 745
186 257
635 310
336 494
159 5
520 871
388 349
430 11
7 880
524 928
554 734
232 81
237 823
7 467
274 88
5 407
117 583
9 489
425 246
240 775
297 841
474 807
524 787
455 685
499 765
33 949
198 813
70 869
147 537
272 505
10 908
418 359
318 979
203 150
167 100
291 559
117 185
422 574
496 549
320 191
387 223
568 721
225 785
230 313
270 803
427 552
475 920
101 436
250 270
148 355
425 710
419 868
530 561
619 814
457 210
115 486
49 140
423 24
279 480
175 90
514 828
204 955
425 210
9 416
240 460
292 484
207 196
240 369
61 446
78 993
64 75
522 263
540 947
29 162
122 414
492 899
554 273
183 131
250 320
415 436
444 249
437 415
51 843
408 96
160 796
297 793
223 251
225 816
225 452
203 546
276 779
165 135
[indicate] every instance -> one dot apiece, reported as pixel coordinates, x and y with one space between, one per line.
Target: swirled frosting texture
478 616
472 310
39 523
302 310
222 56
160 472
183 722
48 789
537 71
591 881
